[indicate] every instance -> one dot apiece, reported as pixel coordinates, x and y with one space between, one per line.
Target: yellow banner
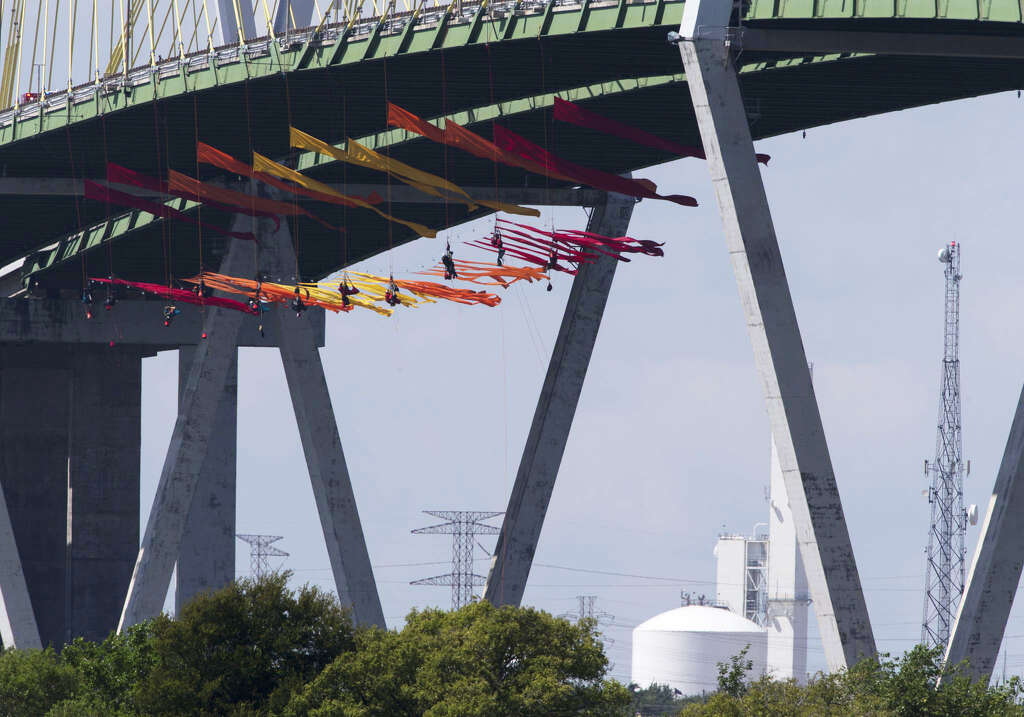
262 164
424 181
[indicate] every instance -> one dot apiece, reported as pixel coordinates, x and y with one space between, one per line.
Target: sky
670 445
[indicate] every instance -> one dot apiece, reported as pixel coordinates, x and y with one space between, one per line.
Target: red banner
99 193
574 114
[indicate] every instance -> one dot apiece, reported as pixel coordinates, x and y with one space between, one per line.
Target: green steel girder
508 65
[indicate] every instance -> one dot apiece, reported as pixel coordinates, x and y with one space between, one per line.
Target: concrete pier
556 408
207 558
102 487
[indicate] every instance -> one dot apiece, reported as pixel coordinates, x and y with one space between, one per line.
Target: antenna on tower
260 552
946 551
463 526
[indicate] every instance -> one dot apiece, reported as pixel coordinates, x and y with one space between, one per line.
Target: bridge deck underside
783 95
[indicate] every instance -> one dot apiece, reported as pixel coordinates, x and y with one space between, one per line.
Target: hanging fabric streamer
107 195
248 204
574 114
431 184
479 272
599 242
183 296
639 188
263 165
515 151
455 135
206 154
274 293
542 253
426 290
116 174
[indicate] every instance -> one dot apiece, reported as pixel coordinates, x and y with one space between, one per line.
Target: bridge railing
390 23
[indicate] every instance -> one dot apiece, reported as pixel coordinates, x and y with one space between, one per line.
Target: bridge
70 562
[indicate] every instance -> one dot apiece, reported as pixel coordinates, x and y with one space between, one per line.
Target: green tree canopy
915 685
479 660
243 649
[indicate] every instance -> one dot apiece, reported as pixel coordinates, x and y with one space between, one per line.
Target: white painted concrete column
293 14
206 561
556 407
197 415
230 12
17 620
325 459
787 586
996 569
778 347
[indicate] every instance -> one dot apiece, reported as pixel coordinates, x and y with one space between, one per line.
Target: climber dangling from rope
111 299
391 295
170 312
297 305
496 241
449 264
87 301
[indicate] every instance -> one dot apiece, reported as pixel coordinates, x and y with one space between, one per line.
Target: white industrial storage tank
681 648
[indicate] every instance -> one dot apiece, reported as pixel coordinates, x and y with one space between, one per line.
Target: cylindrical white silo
681 648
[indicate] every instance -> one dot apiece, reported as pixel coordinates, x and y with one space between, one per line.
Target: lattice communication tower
260 552
463 526
946 552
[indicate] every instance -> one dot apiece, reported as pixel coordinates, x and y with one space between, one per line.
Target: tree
914 685
108 672
656 700
242 650
479 660
732 675
33 681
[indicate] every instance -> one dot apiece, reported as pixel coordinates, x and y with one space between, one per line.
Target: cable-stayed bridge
139 83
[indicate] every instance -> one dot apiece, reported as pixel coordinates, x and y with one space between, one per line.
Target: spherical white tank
681 648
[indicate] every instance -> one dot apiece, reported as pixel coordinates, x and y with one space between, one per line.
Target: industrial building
761 604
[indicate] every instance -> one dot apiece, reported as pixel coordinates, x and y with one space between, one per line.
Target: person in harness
346 290
552 263
391 294
297 304
449 264
169 313
87 301
500 245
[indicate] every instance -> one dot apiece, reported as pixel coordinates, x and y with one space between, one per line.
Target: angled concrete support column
325 460
823 537
17 620
102 486
552 420
197 417
292 14
231 11
18 627
995 571
206 561
35 388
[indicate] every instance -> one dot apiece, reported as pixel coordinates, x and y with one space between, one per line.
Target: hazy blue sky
670 443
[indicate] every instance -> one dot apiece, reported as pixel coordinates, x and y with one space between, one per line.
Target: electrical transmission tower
586 611
260 552
944 572
463 526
